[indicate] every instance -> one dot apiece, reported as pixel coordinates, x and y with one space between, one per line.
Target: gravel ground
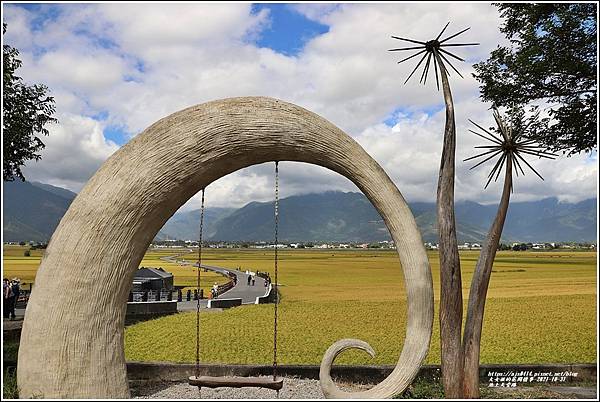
293 388
298 388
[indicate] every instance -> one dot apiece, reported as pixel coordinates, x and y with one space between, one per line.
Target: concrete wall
268 298
135 309
224 303
156 371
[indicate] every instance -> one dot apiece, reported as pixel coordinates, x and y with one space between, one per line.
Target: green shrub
423 389
11 350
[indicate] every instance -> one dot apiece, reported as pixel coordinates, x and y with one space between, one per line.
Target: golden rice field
17 265
541 308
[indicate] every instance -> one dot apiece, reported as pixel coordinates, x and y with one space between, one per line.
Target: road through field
247 292
243 289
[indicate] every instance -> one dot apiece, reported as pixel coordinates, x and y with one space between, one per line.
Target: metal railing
152 295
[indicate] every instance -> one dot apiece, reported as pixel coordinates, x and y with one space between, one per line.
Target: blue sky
114 69
289 30
287 33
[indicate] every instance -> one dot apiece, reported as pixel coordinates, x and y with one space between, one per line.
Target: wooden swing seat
237 382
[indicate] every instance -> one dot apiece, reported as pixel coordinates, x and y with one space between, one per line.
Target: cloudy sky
114 69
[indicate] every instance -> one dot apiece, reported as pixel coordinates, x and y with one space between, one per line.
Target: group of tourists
265 276
10 292
251 277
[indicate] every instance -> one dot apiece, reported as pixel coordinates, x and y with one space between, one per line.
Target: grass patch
10 389
423 389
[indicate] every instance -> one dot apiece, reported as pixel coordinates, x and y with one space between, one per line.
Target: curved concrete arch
72 339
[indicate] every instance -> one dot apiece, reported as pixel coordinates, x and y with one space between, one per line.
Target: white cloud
316 11
146 30
140 62
75 149
19 27
82 73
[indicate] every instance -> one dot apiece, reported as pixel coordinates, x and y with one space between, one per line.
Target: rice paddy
541 308
17 265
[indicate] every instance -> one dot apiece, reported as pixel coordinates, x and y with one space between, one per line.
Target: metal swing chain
276 283
198 292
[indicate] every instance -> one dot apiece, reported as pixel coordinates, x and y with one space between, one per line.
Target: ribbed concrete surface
74 349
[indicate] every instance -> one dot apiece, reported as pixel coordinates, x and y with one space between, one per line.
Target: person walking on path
253 280
14 292
249 279
214 290
6 295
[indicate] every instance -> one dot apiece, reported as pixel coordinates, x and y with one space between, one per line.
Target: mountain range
33 210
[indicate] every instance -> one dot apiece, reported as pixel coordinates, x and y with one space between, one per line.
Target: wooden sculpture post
460 352
451 303
508 144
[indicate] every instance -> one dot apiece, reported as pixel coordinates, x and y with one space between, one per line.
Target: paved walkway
248 293
191 305
242 290
9 325
576 392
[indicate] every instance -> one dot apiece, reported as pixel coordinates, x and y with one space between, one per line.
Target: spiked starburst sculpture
508 146
436 49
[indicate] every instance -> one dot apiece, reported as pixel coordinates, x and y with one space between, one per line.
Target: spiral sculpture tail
394 384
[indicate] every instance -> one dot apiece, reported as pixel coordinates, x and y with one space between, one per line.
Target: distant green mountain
186 225
549 219
61 192
33 210
350 217
330 216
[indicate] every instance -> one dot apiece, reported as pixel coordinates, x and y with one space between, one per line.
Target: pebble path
293 388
